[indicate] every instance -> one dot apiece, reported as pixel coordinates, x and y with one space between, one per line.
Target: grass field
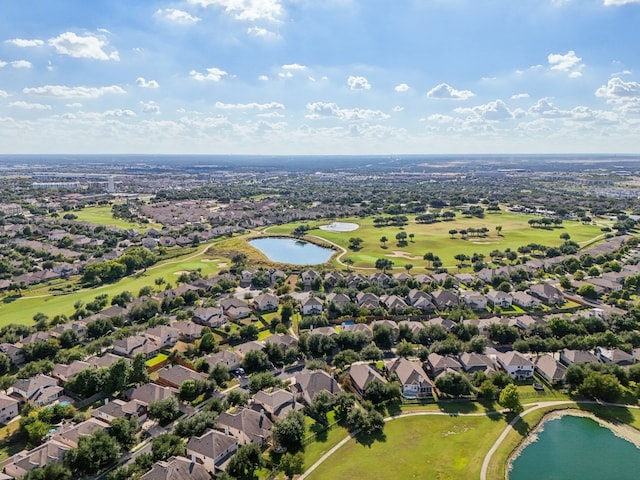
435 238
434 447
101 215
39 299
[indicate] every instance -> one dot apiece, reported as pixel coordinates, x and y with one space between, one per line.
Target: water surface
294 252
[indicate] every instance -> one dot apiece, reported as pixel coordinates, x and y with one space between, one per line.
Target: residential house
367 300
228 358
524 300
516 365
308 383
176 375
311 306
14 352
164 335
420 300
246 277
212 449
246 425
444 299
8 408
523 322
150 393
393 303
213 317
615 355
177 468
339 299
465 278
550 369
188 331
380 279
234 308
282 340
412 377
266 302
357 327
474 300
401 277
326 331
361 376
414 327
27 460
104 361
277 403
436 364
387 323
41 389
573 357
70 433
120 409
445 323
332 278
64 372
308 277
607 284
498 298
247 347
547 293
130 346
476 362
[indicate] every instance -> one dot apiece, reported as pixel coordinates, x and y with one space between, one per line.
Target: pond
293 252
576 447
340 227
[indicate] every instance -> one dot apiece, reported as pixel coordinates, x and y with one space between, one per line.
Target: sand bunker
405 255
340 227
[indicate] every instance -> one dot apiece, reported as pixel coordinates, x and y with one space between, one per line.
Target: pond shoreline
621 430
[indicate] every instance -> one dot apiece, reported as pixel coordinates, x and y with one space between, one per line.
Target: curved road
494 447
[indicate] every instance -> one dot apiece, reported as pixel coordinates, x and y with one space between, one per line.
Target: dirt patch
401 254
223 265
210 260
180 272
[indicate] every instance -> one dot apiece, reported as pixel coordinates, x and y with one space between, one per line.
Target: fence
311 438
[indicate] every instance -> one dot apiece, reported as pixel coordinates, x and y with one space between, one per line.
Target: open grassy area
434 447
22 309
101 215
435 238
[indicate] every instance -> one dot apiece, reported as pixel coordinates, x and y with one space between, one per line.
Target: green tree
166 445
207 343
164 410
116 379
383 264
289 431
292 464
510 398
138 373
601 386
246 461
94 453
320 406
256 361
51 471
124 431
219 374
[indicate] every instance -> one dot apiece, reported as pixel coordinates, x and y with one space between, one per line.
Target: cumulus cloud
519 96
616 3
213 74
403 87
247 10
496 110
263 78
119 113
617 89
73 105
569 63
263 33
250 106
294 66
319 110
150 107
358 83
30 106
174 15
64 91
87 46
444 90
546 108
398 108
143 83
4 94
20 64
23 43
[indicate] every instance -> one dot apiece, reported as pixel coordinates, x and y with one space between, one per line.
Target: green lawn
434 447
21 310
435 238
159 358
101 215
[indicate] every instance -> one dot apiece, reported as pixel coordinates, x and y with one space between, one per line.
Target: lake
293 252
340 227
577 447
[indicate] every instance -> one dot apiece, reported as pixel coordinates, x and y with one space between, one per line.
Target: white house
211 449
311 306
516 365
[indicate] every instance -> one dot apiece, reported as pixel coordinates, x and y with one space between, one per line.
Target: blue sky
320 76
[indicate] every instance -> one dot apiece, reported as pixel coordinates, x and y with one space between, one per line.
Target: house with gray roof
414 380
277 403
212 449
308 383
436 364
550 369
177 468
573 357
362 375
176 375
246 425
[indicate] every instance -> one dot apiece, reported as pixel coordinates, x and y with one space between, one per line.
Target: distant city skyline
320 77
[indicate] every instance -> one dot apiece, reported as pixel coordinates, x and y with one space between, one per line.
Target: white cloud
545 108
250 106
569 63
403 87
616 3
260 32
496 110
143 83
73 92
439 118
444 90
519 96
30 106
23 43
617 89
247 10
263 78
3 94
20 64
150 107
179 17
213 74
285 75
358 83
398 108
73 105
294 66
331 110
88 46
118 113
